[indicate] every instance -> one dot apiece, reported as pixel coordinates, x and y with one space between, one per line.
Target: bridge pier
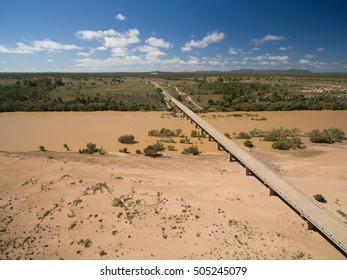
272 192
231 158
209 138
309 225
219 147
248 172
196 125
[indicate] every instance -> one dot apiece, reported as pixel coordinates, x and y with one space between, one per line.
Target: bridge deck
324 221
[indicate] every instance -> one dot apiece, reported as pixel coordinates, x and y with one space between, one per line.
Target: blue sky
180 35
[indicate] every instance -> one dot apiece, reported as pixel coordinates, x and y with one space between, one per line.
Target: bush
152 150
194 134
92 149
276 134
117 202
337 134
171 148
127 139
243 135
287 143
320 198
165 132
42 148
194 150
124 150
317 136
227 134
185 140
248 144
138 152
66 147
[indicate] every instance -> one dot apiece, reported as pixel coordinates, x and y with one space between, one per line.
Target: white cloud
120 17
234 51
255 49
152 53
268 38
285 48
45 45
304 61
309 56
117 42
92 35
85 54
158 42
320 49
210 38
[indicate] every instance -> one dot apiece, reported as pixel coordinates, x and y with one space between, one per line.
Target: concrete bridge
316 216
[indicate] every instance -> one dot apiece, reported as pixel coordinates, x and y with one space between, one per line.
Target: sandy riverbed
58 205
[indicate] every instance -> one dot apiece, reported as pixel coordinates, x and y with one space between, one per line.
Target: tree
67 147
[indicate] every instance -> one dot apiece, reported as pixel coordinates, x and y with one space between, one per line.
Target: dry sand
184 207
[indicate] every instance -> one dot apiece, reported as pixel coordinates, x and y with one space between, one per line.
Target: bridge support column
219 147
231 158
309 225
271 192
248 172
209 138
196 125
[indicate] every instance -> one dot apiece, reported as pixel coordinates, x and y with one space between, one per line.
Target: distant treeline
256 96
34 94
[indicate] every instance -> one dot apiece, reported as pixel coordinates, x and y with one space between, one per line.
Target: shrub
320 198
287 143
317 136
248 144
337 134
243 135
171 148
276 134
138 152
194 134
92 149
227 134
66 147
194 150
117 202
152 150
124 150
165 132
127 139
185 140
42 148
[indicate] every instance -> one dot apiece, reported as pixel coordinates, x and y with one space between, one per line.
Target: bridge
315 215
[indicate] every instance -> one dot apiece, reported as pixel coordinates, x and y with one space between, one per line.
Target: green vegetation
133 91
77 92
67 147
92 149
127 139
343 214
154 149
328 136
266 92
320 198
117 202
124 150
165 132
193 150
243 135
42 148
287 143
248 144
171 148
